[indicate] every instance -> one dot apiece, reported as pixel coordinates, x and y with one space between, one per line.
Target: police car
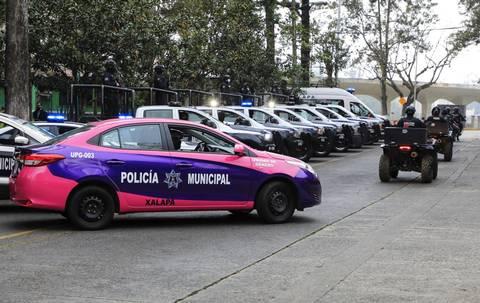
16 132
141 165
58 128
259 140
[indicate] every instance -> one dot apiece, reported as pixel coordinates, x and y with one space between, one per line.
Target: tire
341 149
91 208
305 152
275 203
435 168
448 152
428 163
384 168
394 173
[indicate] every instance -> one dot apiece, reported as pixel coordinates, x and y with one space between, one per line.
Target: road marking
17 234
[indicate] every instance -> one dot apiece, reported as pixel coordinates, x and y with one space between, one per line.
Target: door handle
183 164
115 162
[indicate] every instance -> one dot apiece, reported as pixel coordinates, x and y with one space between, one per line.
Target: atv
439 135
407 149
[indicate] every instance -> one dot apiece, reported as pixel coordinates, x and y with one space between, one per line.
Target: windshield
340 112
307 114
68 134
37 129
360 110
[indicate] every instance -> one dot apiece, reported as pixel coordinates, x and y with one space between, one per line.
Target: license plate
341 136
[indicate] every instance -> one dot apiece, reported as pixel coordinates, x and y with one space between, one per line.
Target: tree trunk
383 87
306 47
269 6
17 67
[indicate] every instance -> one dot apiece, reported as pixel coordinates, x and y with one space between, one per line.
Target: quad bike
439 135
407 149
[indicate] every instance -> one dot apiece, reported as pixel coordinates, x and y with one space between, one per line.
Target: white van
337 96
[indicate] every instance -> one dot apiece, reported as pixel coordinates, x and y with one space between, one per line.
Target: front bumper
309 190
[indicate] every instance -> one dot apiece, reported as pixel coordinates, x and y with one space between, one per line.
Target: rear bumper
36 187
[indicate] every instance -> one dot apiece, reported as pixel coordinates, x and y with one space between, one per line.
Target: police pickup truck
15 132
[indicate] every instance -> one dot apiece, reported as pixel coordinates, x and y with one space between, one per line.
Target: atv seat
438 128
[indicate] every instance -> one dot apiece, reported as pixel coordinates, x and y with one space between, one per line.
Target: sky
464 68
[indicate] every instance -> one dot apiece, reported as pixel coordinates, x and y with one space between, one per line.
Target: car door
137 161
209 175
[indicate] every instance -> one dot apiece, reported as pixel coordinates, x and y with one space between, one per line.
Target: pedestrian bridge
459 94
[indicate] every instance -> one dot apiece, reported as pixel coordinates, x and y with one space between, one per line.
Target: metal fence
93 102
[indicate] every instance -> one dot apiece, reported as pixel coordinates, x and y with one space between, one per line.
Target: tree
214 38
471 34
332 54
71 39
405 66
382 25
17 68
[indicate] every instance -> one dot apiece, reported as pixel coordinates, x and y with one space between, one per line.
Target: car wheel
447 156
384 168
427 169
341 149
91 208
275 202
303 152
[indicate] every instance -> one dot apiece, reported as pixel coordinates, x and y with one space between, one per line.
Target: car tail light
405 148
39 159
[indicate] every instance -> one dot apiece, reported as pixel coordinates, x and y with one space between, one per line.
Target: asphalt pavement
368 242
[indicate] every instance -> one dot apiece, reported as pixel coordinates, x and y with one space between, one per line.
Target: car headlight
320 130
303 165
268 137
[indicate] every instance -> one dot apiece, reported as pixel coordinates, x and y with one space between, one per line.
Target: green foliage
195 39
471 34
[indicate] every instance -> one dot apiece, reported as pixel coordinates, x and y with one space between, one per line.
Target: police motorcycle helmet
436 111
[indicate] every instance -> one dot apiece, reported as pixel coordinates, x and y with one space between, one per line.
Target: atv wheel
384 168
428 163
447 156
394 173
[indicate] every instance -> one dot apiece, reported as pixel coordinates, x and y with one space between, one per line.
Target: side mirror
239 150
20 140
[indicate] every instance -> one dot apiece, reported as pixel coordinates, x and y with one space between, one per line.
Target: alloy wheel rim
92 208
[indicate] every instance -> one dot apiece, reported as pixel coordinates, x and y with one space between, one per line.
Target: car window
64 129
158 113
110 139
138 137
307 114
340 112
51 129
323 101
208 111
189 139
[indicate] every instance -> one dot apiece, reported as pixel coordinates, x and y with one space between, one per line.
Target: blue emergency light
247 103
56 118
125 116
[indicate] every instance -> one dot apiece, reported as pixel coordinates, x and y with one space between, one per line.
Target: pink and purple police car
157 165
